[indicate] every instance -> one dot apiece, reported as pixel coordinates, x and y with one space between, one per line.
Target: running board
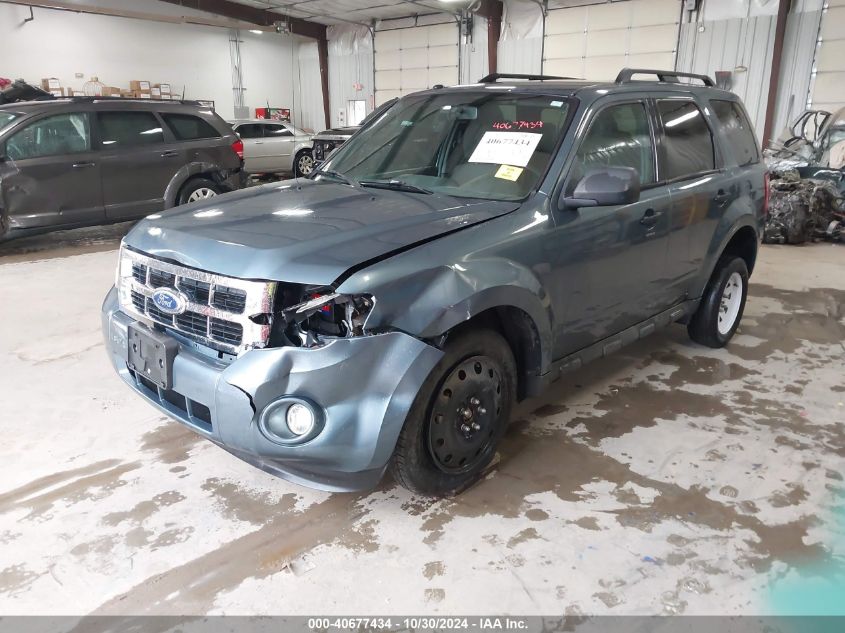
607 346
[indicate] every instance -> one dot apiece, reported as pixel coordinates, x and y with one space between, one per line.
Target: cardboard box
141 94
138 85
110 91
57 93
130 94
51 83
155 92
163 88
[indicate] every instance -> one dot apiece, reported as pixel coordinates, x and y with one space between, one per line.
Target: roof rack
667 76
88 98
493 77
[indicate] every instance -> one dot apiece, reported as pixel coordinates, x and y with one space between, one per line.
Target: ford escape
459 253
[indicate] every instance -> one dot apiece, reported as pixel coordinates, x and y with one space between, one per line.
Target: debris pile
804 209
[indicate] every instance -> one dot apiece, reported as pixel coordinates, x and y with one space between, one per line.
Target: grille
230 299
220 310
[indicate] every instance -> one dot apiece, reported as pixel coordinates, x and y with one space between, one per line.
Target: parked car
274 147
457 255
84 161
329 140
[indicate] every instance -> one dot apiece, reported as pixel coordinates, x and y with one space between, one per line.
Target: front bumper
365 387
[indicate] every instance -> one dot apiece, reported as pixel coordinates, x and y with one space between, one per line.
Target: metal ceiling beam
261 17
492 10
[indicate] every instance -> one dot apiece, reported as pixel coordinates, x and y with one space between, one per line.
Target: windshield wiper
337 176
396 185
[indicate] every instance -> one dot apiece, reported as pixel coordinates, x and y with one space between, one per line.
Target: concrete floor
668 479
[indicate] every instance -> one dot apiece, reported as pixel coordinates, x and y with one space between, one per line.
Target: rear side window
250 130
51 136
687 145
737 131
128 129
187 127
275 131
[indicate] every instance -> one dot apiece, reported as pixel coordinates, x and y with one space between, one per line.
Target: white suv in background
274 147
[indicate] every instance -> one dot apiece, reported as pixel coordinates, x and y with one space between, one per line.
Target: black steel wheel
459 415
463 426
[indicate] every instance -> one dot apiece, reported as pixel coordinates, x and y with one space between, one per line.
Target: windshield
466 144
7 117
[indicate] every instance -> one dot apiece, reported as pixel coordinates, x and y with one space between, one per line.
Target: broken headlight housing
324 315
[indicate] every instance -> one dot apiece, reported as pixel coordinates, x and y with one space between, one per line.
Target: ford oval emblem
169 301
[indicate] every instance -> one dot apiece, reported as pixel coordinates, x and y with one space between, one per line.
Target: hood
338 131
303 231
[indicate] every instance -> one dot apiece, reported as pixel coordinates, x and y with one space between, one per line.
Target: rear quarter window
737 131
187 127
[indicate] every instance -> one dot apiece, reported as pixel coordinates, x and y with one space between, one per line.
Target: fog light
300 419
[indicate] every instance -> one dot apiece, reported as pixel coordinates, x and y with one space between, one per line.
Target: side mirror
604 187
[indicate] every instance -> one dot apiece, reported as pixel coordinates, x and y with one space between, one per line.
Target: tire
720 301
198 189
458 417
303 163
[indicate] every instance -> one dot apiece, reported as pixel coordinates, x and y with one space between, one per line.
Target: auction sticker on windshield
509 148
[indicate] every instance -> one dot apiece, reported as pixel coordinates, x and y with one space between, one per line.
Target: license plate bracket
151 354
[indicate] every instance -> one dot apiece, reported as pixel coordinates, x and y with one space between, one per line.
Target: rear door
137 165
54 176
608 262
252 135
688 164
279 144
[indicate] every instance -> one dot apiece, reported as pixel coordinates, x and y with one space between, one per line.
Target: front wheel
304 163
721 307
458 416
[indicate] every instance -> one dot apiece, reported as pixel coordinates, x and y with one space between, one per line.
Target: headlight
327 314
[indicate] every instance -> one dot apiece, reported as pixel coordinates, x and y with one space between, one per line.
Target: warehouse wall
799 51
190 57
520 47
736 36
414 54
596 41
350 66
828 89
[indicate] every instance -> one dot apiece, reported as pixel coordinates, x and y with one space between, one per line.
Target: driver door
608 263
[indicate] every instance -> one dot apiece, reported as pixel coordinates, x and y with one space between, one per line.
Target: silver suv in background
84 161
274 147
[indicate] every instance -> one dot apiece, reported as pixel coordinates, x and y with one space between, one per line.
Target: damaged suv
460 253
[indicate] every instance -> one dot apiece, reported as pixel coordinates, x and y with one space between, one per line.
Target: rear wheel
458 417
303 163
720 310
198 189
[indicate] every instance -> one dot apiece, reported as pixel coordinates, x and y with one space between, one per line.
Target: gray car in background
274 147
83 161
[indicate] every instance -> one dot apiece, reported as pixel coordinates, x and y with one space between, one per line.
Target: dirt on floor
670 478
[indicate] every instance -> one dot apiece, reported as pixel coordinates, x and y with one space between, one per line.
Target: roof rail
668 76
88 98
493 77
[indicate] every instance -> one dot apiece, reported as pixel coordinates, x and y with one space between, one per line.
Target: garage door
595 42
414 59
829 85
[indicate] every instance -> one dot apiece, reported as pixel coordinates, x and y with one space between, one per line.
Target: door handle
82 165
650 217
722 196
169 153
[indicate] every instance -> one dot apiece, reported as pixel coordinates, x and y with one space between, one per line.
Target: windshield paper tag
512 148
508 172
